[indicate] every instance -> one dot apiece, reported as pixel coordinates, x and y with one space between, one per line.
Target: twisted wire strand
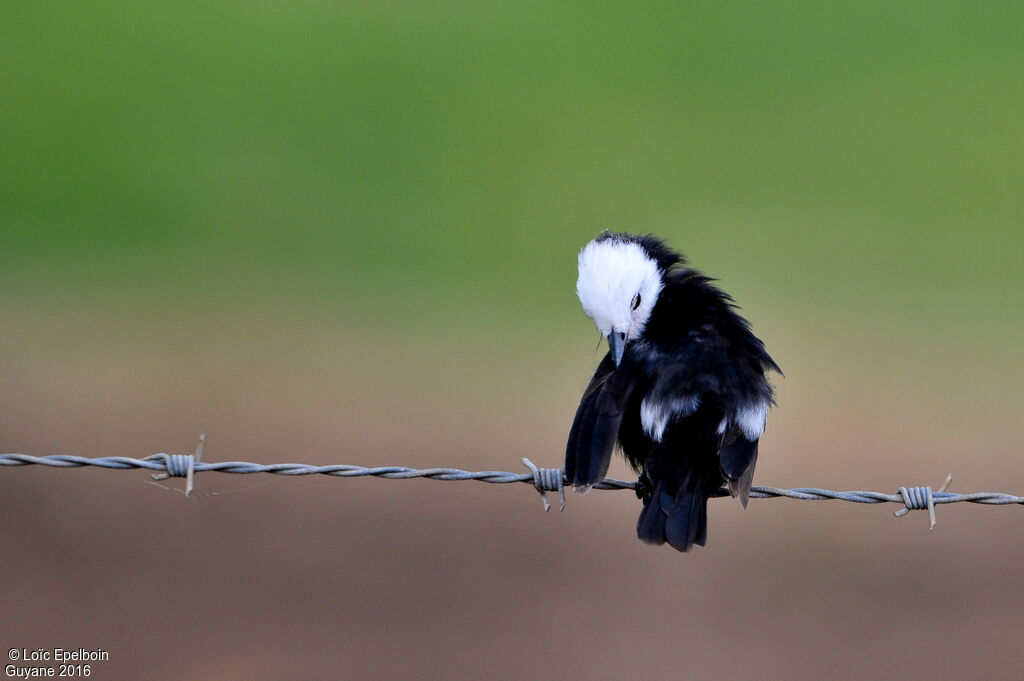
158 463
543 479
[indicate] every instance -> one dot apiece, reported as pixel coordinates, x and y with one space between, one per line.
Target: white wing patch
655 414
751 419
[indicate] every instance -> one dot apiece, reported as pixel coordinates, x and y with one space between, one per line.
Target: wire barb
548 480
920 498
180 465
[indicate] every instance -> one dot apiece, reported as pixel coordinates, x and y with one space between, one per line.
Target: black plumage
686 399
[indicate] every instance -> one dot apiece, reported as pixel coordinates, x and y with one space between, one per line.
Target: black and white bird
683 388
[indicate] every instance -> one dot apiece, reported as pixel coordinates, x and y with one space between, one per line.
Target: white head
618 286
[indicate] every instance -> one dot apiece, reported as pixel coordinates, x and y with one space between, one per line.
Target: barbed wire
543 479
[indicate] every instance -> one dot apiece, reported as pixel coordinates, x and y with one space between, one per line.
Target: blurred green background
346 233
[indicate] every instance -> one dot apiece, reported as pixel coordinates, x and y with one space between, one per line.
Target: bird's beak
617 346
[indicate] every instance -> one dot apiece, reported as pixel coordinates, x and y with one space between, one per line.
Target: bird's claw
644 488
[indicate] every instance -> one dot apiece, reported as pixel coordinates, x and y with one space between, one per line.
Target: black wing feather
596 426
583 415
738 459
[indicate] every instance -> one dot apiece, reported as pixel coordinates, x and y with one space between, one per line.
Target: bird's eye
636 301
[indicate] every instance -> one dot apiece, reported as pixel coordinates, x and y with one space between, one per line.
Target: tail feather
650 527
687 520
680 519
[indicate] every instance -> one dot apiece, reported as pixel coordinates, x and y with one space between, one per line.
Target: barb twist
920 498
180 465
548 480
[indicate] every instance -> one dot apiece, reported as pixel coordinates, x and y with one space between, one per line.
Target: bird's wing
710 396
738 459
596 426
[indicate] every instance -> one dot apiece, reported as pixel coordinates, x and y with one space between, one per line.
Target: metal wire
543 479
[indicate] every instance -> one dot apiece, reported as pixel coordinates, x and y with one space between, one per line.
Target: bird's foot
644 487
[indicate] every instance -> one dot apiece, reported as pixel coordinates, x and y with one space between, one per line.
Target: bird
683 389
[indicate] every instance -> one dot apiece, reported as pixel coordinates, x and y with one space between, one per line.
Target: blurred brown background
347 234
